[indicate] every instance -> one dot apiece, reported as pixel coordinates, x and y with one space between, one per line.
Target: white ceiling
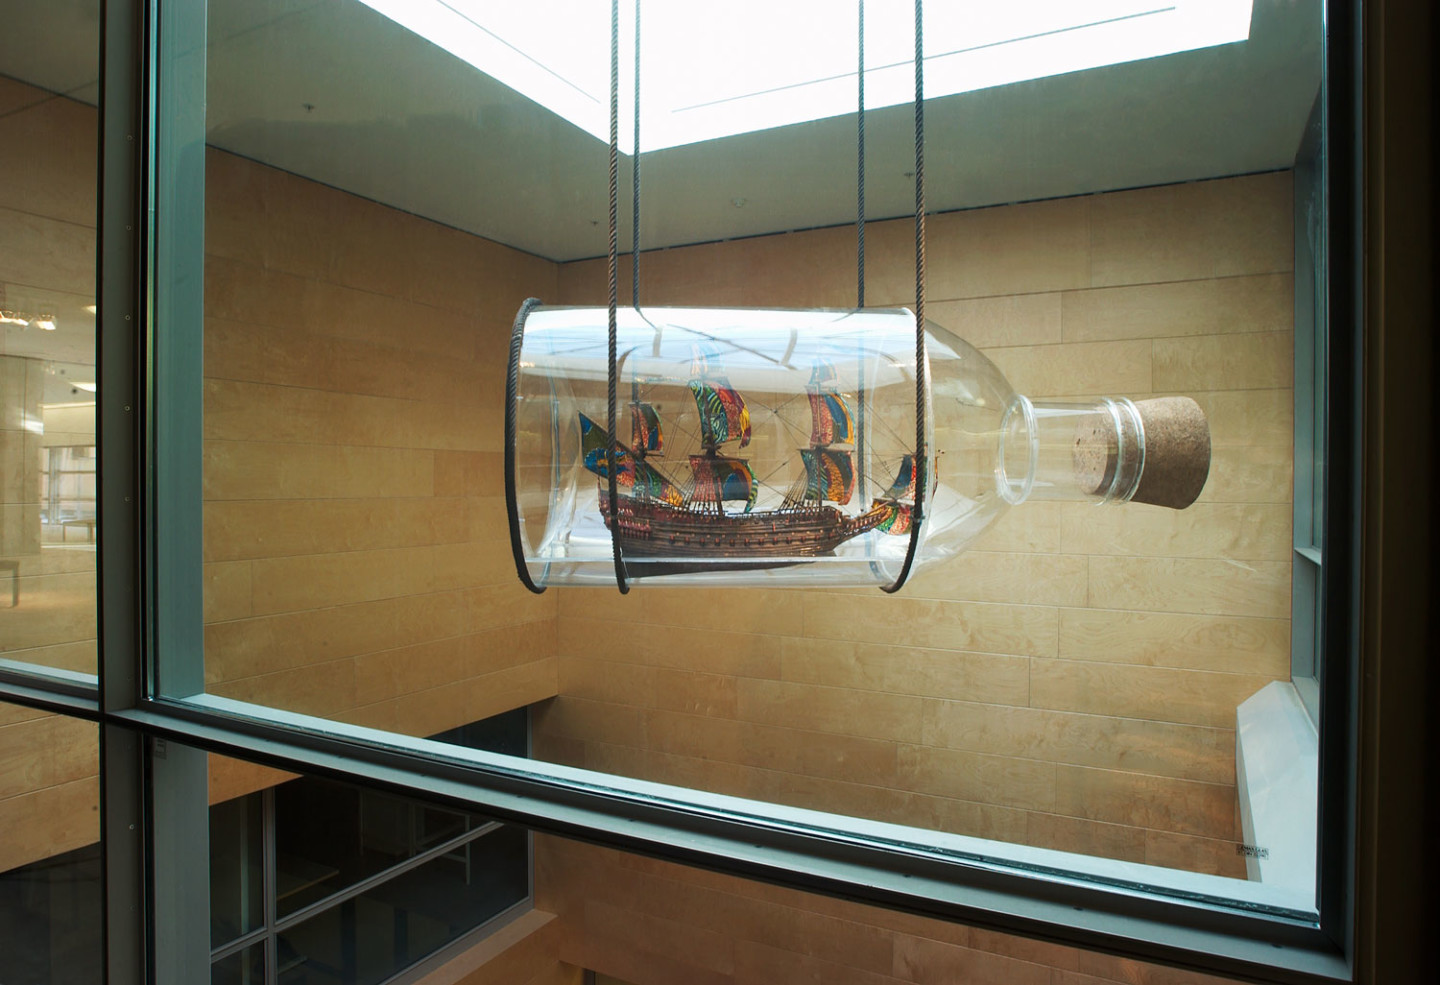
332 90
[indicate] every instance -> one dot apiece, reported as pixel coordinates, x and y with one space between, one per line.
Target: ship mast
723 417
829 470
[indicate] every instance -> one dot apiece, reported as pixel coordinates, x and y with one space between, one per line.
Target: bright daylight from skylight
714 70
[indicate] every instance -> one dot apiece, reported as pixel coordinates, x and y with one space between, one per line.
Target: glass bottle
778 447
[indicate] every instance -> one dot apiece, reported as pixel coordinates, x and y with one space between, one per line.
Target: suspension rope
635 179
621 581
917 514
860 167
860 239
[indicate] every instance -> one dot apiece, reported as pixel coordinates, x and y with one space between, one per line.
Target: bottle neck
1077 452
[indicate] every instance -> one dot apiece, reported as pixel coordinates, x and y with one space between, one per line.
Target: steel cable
917 514
621 581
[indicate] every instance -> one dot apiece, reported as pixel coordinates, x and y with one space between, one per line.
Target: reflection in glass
49 64
370 937
50 871
332 835
244 967
312 864
236 868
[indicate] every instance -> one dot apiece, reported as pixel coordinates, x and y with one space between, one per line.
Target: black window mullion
119 412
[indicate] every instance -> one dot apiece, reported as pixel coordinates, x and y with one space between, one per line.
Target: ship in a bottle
712 512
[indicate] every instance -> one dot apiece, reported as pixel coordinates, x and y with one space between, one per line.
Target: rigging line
610 456
769 475
687 433
798 430
778 407
917 511
890 431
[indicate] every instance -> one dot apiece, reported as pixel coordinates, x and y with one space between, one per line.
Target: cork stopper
1177 452
1175 462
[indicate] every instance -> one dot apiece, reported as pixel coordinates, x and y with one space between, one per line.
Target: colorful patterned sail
723 479
904 485
723 415
645 429
830 474
832 422
896 517
633 478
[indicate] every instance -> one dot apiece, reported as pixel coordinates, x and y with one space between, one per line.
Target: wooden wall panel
49 785
354 529
47 265
49 790
638 921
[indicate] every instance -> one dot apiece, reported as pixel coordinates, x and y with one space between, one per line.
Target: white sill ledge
1277 775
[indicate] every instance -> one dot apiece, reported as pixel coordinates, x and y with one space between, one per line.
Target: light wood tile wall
1071 683
47 248
646 922
524 952
49 789
355 539
49 785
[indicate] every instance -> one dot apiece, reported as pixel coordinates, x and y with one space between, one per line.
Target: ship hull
653 529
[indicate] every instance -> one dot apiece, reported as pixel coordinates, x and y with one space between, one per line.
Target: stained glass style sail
645 432
895 518
723 415
904 485
634 477
830 474
723 479
832 421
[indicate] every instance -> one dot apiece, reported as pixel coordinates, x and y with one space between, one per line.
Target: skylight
715 70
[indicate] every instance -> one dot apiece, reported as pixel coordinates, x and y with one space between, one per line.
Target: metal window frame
149 615
1311 414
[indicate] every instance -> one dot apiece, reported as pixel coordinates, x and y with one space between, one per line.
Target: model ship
658 517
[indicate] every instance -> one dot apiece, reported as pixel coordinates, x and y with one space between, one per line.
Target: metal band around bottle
512 399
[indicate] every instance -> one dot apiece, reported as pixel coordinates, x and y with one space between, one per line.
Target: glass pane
50 892
332 835
244 967
378 206
348 881
49 71
236 868
369 938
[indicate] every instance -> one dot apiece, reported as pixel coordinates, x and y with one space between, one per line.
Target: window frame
149 588
1311 413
